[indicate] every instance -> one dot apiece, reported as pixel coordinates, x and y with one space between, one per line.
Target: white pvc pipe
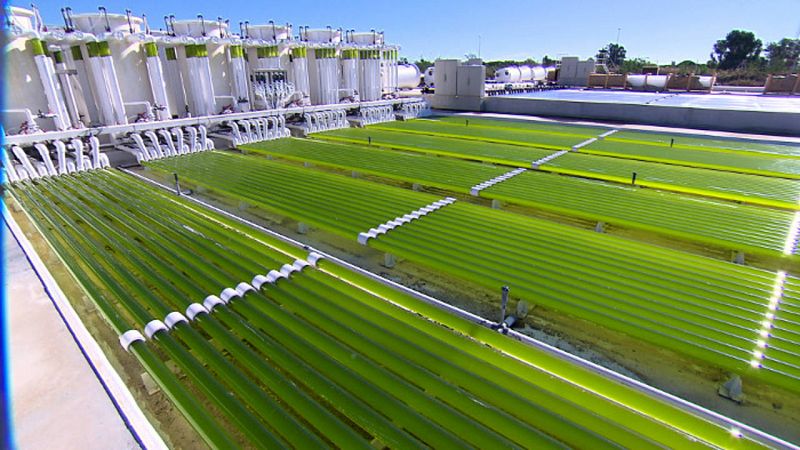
11 171
61 151
51 90
114 89
44 153
170 146
77 147
193 147
156 75
142 154
151 135
97 159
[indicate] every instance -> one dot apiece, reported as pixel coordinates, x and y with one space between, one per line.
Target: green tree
783 55
612 54
738 50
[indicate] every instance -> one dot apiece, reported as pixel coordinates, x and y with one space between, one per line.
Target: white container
705 81
408 76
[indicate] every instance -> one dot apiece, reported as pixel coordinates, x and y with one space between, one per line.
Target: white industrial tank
510 74
657 81
637 81
539 73
369 74
367 38
525 73
269 32
321 36
428 77
408 76
348 83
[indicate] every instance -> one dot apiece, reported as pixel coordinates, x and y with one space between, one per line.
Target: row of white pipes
70 158
377 114
246 131
165 143
325 120
416 109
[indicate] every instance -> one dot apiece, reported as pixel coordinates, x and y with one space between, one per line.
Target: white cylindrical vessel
369 75
539 73
298 73
408 76
239 75
526 73
637 81
428 77
349 73
155 72
324 77
657 81
510 74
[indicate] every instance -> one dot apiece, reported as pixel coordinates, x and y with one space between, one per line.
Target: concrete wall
780 123
574 72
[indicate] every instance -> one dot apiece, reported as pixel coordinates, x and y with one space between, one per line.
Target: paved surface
737 102
57 402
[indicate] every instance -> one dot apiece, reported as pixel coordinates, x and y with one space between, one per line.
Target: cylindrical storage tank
510 74
428 77
322 36
176 88
657 81
389 70
539 73
408 76
298 70
324 76
348 83
369 74
367 38
269 32
636 81
525 73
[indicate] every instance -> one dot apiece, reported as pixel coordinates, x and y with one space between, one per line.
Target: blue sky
661 31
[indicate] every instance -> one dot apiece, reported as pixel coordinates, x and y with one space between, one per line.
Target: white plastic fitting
211 302
313 258
129 337
174 318
153 327
194 309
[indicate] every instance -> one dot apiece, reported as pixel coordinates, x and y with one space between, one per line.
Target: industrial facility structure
111 81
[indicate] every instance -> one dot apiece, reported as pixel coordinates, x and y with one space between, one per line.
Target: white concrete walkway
57 402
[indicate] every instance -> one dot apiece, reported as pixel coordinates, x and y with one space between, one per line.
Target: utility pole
479 46
619 30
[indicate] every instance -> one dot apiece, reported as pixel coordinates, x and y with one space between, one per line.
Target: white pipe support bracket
363 238
300 264
194 309
287 270
153 327
211 302
273 276
242 288
129 337
313 258
174 318
227 294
